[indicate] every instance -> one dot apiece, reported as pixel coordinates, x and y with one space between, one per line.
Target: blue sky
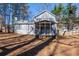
35 8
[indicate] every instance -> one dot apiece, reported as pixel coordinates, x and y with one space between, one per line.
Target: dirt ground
67 45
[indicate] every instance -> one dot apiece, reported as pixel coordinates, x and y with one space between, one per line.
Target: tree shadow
8 50
56 46
35 50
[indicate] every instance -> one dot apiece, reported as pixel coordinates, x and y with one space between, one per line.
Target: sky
35 8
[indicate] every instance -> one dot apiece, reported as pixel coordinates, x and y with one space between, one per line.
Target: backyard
63 45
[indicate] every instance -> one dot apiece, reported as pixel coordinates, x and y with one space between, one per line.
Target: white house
43 24
24 27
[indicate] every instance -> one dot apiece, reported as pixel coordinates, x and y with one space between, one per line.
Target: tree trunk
13 28
8 27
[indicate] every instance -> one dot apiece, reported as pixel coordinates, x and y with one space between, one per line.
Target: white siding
25 29
21 29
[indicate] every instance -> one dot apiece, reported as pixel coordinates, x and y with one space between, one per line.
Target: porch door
45 28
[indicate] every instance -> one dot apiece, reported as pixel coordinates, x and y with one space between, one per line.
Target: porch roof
45 15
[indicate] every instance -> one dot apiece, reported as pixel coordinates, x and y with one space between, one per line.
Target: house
24 27
43 24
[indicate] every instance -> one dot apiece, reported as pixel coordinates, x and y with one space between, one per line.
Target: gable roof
45 15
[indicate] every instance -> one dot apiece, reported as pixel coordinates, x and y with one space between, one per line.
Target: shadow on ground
31 52
8 50
35 50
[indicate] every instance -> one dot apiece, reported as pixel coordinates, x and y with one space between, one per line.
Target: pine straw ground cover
67 45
